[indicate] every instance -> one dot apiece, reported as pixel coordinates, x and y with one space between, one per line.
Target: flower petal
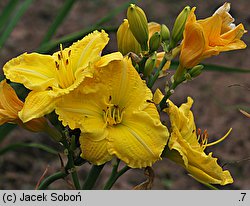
83 112
34 71
201 166
193 43
95 151
87 50
185 150
10 104
140 140
106 59
212 29
37 104
152 28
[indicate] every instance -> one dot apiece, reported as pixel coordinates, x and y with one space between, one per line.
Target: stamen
219 140
113 114
69 53
65 75
61 48
57 65
198 134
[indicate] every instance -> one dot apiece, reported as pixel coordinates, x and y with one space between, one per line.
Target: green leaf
13 21
18 145
7 12
62 14
49 46
216 68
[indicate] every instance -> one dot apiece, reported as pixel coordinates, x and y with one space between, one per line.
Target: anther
57 65
67 61
199 132
69 53
59 57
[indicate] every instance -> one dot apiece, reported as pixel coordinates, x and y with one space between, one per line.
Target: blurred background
218 95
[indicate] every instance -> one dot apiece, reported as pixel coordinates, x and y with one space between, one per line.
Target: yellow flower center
64 70
113 114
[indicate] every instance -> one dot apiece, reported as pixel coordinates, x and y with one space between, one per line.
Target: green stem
70 167
178 78
52 178
156 75
73 171
114 176
163 103
92 177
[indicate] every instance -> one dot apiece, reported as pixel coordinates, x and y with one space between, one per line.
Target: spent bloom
52 76
116 115
187 149
208 37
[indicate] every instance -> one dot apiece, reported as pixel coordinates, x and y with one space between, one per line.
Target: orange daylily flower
210 36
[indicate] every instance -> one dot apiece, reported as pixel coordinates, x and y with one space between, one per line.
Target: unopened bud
188 76
126 41
150 64
154 42
138 25
165 34
196 71
179 26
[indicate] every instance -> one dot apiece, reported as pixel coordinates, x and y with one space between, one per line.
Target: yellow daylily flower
208 37
187 149
52 76
115 113
10 105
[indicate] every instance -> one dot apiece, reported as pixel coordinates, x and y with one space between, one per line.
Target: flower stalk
115 175
92 177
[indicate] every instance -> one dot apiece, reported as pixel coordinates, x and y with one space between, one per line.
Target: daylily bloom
52 76
187 149
116 115
10 105
210 36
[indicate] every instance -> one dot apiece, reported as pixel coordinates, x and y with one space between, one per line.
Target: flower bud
196 71
150 64
154 42
126 41
165 34
179 25
138 25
